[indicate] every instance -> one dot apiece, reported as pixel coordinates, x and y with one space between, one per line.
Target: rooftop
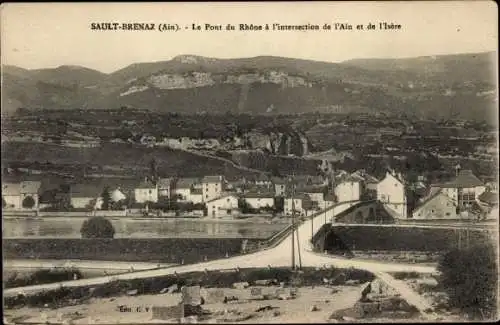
11 189
164 182
255 195
86 190
490 198
464 179
30 187
212 179
187 182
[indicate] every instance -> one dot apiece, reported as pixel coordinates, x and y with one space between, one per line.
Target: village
465 197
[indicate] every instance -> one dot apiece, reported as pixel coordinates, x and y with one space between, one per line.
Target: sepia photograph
250 162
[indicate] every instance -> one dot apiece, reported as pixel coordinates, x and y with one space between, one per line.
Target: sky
47 35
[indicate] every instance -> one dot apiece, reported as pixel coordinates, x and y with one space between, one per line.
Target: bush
470 277
97 227
44 276
28 202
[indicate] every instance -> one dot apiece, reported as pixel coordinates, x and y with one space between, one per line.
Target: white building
23 195
223 206
11 194
195 196
299 204
146 192
391 192
348 190
183 188
165 187
259 200
279 186
117 195
464 189
212 187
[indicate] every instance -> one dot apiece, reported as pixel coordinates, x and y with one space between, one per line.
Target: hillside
443 86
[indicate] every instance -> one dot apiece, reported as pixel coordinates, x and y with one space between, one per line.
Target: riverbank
152 250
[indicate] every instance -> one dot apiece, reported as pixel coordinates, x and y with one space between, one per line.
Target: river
48 227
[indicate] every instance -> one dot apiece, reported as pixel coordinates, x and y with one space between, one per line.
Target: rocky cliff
280 143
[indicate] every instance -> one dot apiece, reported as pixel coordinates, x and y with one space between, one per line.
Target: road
81 265
278 256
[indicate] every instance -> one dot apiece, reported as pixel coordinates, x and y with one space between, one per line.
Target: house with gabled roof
258 200
212 187
300 203
86 196
436 206
464 189
224 206
165 187
349 188
146 191
183 187
391 191
22 195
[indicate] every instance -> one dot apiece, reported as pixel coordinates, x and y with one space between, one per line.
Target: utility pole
293 225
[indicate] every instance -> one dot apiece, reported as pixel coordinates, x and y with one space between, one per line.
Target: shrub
28 202
97 227
470 277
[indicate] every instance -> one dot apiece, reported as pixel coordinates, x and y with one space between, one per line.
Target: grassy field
123 156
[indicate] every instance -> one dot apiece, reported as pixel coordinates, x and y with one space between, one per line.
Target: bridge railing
282 234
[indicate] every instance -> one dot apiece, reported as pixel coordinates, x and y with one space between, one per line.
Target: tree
279 203
244 206
106 199
28 202
470 277
97 227
153 169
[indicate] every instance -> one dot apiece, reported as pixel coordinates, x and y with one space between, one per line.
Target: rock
132 292
241 285
191 295
352 282
189 320
265 308
266 282
167 312
285 296
314 308
213 296
173 288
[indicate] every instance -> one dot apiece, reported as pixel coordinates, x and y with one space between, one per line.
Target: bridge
276 255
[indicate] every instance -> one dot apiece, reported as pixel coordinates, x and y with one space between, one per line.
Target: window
432 211
395 184
228 200
447 214
150 191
